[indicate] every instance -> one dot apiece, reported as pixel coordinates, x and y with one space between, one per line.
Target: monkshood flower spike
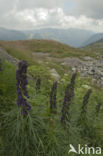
72 83
86 100
21 77
69 94
65 118
53 93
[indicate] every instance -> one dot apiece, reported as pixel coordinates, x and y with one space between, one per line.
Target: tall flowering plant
72 84
53 106
86 100
21 76
65 118
69 94
83 116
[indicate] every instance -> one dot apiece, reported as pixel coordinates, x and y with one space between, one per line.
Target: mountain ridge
72 37
93 39
8 34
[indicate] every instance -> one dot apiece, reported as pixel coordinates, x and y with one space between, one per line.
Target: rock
63 63
94 81
102 78
73 69
4 55
88 58
55 75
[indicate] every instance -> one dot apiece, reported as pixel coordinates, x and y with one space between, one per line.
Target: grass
21 49
41 131
53 140
18 53
96 48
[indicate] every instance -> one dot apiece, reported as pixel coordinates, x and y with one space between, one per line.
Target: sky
63 14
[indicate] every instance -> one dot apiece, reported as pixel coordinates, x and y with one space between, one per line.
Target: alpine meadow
51 78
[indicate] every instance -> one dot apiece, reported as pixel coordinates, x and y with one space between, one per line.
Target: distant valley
7 34
73 37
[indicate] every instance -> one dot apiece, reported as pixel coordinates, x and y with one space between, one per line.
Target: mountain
94 38
7 34
72 37
96 48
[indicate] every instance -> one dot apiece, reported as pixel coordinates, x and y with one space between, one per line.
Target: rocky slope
4 55
87 66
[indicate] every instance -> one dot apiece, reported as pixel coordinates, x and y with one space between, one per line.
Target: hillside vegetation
42 131
94 38
26 48
40 115
96 48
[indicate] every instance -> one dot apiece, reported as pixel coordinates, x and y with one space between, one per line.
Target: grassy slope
26 50
23 50
40 101
55 49
96 48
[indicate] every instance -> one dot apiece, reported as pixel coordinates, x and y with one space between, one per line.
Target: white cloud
91 8
49 4
20 14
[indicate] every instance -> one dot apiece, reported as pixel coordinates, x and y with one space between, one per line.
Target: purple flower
53 93
69 94
66 105
72 84
21 76
85 100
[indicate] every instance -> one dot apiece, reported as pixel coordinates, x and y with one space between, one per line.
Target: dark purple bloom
53 93
66 104
21 76
69 94
85 100
72 84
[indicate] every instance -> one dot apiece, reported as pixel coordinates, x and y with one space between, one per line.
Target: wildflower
65 118
69 94
85 100
22 86
53 93
72 84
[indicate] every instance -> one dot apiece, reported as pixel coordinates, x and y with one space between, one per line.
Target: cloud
6 5
24 14
23 4
90 8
